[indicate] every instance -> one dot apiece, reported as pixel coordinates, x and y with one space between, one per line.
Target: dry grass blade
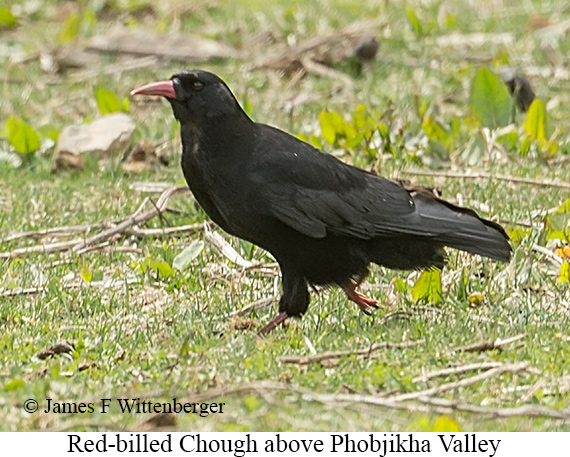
364 353
218 241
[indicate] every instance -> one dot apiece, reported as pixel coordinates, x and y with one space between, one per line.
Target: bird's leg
273 323
293 302
360 299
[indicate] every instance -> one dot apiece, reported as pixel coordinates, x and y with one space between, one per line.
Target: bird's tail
462 228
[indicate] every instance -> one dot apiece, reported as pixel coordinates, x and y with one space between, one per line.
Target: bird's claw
361 300
273 323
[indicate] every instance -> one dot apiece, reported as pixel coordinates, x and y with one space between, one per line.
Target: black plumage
323 220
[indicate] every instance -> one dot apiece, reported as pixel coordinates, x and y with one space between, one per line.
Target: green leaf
446 424
330 125
70 28
161 267
490 100
182 260
428 287
86 273
535 123
414 21
14 384
21 136
316 141
7 19
436 132
564 273
107 101
247 106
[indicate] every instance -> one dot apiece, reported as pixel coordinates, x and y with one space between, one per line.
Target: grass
157 338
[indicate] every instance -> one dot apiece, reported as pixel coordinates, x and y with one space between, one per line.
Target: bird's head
196 96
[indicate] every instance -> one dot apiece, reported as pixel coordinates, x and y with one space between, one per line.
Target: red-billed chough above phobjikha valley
324 221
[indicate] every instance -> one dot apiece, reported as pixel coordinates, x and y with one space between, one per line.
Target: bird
323 220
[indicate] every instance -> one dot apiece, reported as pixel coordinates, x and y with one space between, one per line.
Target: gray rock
105 136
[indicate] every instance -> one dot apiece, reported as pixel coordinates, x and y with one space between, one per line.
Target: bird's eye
197 85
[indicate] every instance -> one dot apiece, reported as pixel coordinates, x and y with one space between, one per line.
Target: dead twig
548 253
362 353
262 303
488 345
55 231
423 404
445 372
168 231
503 369
135 219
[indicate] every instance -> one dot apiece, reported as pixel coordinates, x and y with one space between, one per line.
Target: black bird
324 221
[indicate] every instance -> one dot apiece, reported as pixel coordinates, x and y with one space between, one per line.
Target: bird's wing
316 194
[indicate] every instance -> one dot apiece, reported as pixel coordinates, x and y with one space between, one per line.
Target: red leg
360 299
273 323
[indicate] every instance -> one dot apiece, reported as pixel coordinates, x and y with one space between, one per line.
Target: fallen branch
362 353
262 303
134 219
481 175
488 345
445 372
55 231
548 253
423 404
503 369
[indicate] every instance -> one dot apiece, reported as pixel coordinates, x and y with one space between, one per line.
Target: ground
489 351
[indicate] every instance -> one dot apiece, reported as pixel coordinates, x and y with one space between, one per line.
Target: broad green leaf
354 141
428 287
414 21
316 141
7 19
70 28
327 128
107 101
535 123
162 267
21 136
332 125
446 424
14 384
86 273
436 132
564 273
490 100
182 260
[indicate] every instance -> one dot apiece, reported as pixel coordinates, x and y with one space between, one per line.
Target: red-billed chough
323 220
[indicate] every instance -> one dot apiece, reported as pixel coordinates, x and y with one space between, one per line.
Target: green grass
157 338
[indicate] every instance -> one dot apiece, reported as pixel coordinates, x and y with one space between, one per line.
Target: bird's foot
273 323
360 299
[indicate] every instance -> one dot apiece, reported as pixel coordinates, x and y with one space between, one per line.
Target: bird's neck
217 138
